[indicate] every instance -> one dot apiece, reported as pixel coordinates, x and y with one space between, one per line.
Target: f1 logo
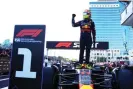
64 44
29 32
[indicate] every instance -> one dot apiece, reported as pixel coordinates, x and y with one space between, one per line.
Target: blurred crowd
5 53
50 61
118 63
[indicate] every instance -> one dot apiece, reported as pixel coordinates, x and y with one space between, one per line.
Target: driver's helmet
86 14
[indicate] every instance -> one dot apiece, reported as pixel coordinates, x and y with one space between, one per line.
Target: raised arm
73 21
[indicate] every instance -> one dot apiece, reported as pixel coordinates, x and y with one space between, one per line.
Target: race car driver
87 27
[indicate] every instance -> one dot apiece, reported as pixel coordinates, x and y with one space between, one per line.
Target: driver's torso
85 26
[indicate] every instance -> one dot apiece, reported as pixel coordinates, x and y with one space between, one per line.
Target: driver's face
86 15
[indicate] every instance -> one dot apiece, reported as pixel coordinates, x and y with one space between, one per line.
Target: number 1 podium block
27 57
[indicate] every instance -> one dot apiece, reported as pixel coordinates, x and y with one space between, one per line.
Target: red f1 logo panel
29 32
63 44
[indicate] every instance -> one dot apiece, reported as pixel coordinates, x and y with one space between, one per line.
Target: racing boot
79 66
88 66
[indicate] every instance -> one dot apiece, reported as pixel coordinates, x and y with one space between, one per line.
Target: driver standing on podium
87 27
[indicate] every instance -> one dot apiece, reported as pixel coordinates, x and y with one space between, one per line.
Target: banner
73 45
27 57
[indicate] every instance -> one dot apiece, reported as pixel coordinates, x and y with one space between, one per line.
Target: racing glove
73 15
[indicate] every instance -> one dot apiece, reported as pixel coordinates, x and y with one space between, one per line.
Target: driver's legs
88 43
87 54
82 47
